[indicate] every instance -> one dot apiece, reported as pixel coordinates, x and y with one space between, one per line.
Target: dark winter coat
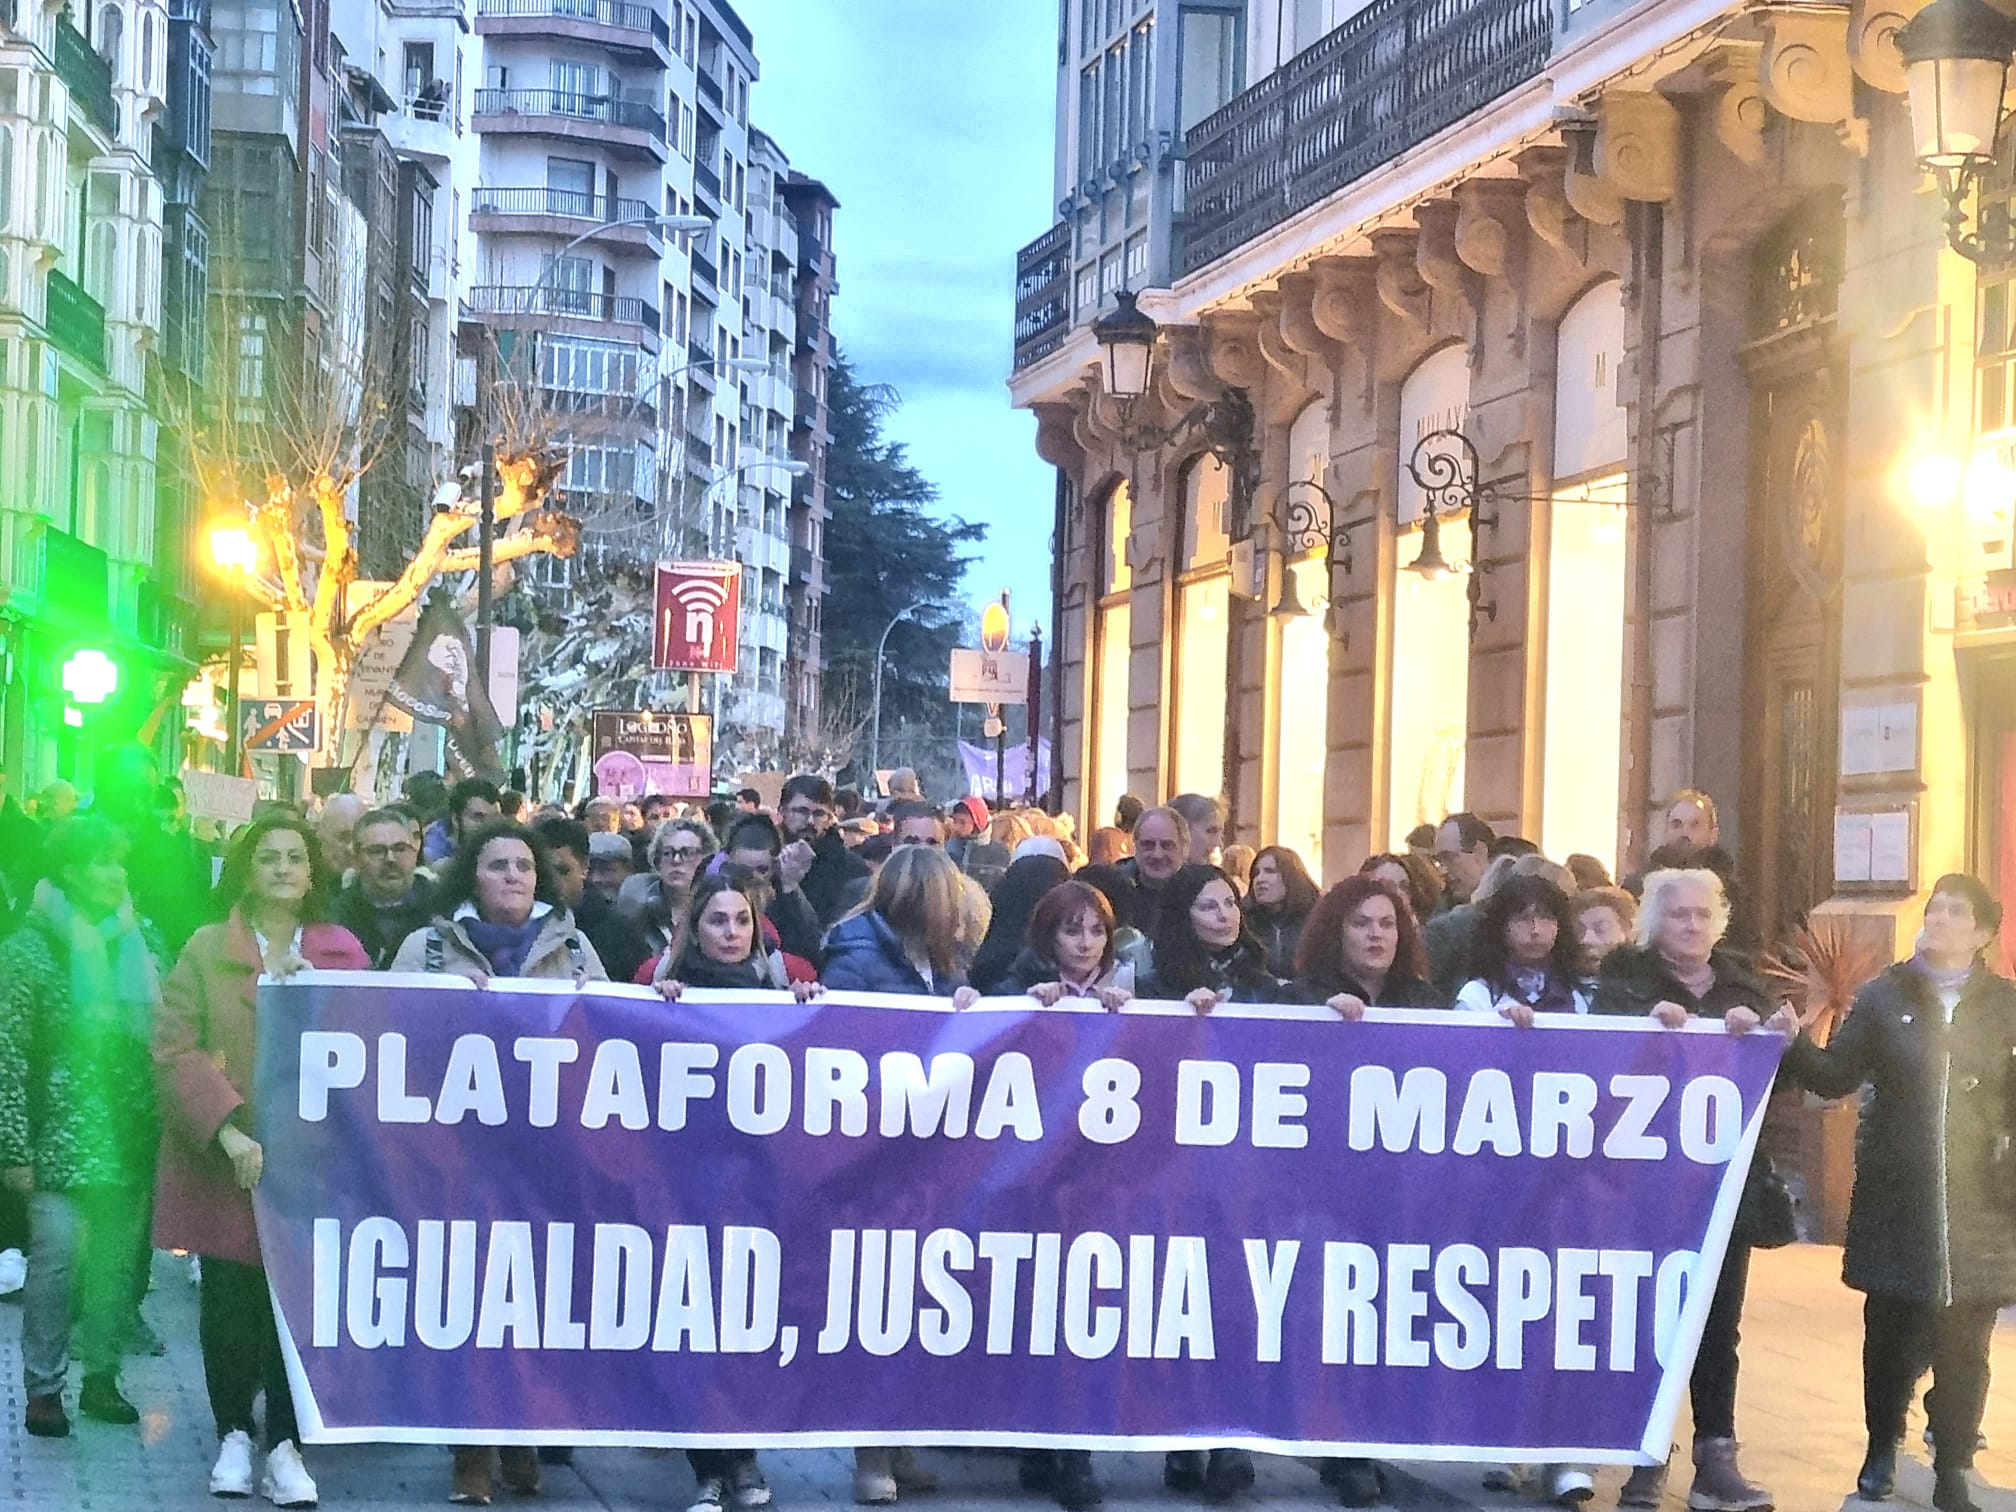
864 955
1933 1216
835 878
1635 980
1240 973
1401 991
1282 937
1451 938
76 1091
381 931
1031 968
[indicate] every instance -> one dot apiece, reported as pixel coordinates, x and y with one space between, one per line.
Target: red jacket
206 1039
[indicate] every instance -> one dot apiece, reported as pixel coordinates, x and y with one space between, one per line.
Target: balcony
424 126
805 408
572 311
1392 76
710 89
707 185
88 76
636 30
76 580
627 127
621 225
75 322
1042 295
705 272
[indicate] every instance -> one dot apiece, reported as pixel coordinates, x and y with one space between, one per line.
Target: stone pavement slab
1799 1412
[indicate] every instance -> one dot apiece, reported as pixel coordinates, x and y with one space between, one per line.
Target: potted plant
1818 967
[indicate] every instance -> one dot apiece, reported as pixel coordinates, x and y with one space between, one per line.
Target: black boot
101 1401
1878 1475
1074 1486
1951 1493
1036 1470
1356 1482
1229 1472
1183 1469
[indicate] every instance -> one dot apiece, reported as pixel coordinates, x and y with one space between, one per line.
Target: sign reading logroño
696 616
537 1213
634 752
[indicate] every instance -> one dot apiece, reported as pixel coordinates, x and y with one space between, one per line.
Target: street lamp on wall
1304 529
1126 337
1956 66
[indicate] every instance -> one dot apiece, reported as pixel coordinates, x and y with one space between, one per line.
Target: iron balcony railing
1042 295
1387 79
572 204
611 13
76 321
88 76
575 304
603 110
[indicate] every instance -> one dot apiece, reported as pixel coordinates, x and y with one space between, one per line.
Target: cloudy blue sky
932 121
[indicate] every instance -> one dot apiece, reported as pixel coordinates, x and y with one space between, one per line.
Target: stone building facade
1680 284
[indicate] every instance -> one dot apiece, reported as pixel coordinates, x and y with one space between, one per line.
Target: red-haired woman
1361 948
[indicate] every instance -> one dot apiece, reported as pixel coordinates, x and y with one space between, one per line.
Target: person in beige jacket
497 915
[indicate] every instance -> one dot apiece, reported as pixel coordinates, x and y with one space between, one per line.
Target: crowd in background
134 946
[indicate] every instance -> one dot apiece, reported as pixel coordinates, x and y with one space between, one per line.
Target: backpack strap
576 956
437 952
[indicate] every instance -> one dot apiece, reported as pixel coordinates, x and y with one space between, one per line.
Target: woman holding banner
498 916
1679 971
1932 1223
206 1038
1204 954
1361 948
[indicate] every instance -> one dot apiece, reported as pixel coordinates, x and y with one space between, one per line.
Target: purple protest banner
535 1214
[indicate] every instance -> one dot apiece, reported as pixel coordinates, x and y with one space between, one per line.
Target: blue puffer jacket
864 955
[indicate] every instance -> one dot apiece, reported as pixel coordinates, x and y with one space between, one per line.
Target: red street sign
698 611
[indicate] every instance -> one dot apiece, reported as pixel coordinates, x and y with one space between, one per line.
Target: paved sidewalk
1800 1415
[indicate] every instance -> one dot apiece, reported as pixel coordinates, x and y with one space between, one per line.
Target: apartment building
1533 392
811 206
83 558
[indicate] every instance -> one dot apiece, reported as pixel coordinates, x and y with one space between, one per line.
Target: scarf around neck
113 982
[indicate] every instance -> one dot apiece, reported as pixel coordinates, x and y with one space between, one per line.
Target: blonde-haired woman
908 937
1677 971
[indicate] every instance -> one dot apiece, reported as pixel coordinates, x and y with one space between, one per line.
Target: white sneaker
13 1271
1571 1485
287 1482
232 1474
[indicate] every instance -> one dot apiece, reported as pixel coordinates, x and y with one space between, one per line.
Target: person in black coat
1279 895
1070 950
1678 971
1361 948
1932 1222
1014 900
1203 952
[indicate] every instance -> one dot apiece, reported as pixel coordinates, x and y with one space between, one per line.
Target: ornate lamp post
1956 67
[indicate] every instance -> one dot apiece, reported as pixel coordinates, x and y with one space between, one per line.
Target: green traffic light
90 677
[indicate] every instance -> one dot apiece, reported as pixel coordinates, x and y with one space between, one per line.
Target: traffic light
90 677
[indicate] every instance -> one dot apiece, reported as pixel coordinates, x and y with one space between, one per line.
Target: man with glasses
385 901
834 877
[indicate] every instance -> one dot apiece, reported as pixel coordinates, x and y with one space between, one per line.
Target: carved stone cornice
1585 191
1345 305
1291 366
1741 110
1295 318
1057 433
1435 249
1872 41
1490 225
1188 369
1232 351
1548 214
1398 279
1805 71
1638 145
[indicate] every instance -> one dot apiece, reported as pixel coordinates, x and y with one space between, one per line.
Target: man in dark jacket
753 841
385 901
1161 847
833 877
617 940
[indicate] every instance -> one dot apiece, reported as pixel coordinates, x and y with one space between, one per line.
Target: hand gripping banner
535 1214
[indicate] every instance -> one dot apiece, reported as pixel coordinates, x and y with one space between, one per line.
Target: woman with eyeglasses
656 900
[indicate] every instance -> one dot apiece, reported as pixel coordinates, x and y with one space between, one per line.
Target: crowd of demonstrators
126 1042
